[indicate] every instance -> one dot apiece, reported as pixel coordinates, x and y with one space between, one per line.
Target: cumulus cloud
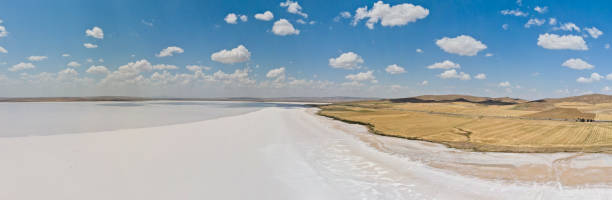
480 76
419 50
504 84
266 16
97 70
170 51
463 45
447 64
67 74
552 21
90 45
594 32
244 18
349 60
515 12
454 74
556 42
278 74
37 58
568 27
424 82
65 55
505 26
95 32
3 50
395 69
397 15
577 63
235 55
3 32
488 54
293 7
21 66
535 22
541 10
362 76
195 68
592 78
231 18
282 27
73 64
164 67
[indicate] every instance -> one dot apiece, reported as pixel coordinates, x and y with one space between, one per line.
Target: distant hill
459 98
544 104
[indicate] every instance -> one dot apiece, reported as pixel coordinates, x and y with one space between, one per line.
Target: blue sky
483 37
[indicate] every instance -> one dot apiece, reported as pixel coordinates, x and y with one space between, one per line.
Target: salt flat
273 153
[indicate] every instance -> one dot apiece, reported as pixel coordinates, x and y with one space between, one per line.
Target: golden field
482 127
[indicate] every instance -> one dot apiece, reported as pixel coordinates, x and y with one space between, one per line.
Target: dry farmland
479 127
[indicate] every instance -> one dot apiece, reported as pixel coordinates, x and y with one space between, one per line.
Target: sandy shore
274 153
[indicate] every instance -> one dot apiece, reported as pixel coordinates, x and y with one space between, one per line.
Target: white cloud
97 70
606 89
552 21
266 16
282 27
480 76
90 45
397 15
577 63
3 32
73 64
244 18
37 58
21 66
100 60
294 8
362 76
3 50
148 23
278 74
607 46
505 26
541 10
453 74
515 12
447 64
463 45
609 76
195 68
169 51
231 18
65 55
424 83
556 42
349 60
395 69
95 32
535 22
345 15
164 67
568 27
419 50
67 74
592 78
594 32
504 84
488 54
235 55
89 60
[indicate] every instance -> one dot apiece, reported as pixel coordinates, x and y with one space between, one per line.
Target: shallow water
49 118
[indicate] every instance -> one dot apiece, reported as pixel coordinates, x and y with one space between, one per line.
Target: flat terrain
499 125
